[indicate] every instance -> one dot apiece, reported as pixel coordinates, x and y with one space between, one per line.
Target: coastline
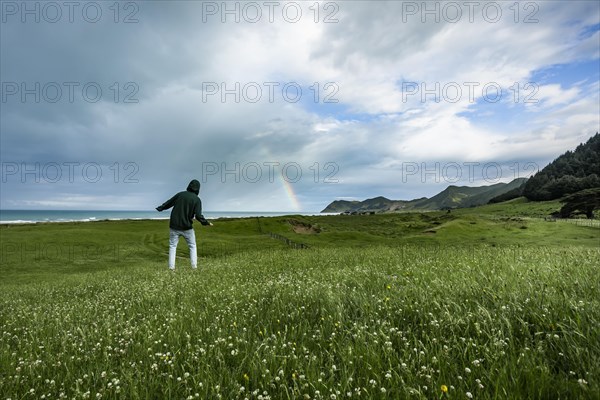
78 221
87 216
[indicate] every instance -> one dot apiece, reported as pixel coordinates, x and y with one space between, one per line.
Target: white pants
190 238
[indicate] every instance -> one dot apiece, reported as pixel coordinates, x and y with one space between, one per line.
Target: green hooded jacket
186 205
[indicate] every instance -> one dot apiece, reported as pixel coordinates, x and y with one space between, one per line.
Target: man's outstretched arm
167 204
199 217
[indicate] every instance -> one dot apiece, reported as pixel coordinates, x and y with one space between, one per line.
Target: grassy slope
516 222
516 306
43 250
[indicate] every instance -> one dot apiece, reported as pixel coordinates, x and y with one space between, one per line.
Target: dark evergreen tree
570 173
585 201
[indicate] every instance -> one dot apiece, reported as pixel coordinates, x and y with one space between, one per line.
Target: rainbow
287 186
289 190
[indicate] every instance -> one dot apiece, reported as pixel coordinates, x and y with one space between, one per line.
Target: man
186 205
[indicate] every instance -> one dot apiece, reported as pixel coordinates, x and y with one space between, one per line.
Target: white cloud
552 95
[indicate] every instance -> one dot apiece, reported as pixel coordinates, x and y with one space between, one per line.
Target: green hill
466 196
510 195
451 197
341 206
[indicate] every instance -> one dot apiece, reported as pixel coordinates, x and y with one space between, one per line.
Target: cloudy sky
286 106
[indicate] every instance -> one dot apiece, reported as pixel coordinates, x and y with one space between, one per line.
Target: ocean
33 216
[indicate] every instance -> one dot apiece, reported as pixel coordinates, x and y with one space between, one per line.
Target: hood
194 186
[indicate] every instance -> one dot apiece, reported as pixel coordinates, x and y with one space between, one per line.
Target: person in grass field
186 206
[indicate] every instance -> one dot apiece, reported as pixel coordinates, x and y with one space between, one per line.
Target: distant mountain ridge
451 197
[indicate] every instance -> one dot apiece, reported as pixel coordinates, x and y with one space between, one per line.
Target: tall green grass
382 322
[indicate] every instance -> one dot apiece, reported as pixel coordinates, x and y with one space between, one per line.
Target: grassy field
476 303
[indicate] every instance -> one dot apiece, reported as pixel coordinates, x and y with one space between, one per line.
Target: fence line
591 223
582 222
291 243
